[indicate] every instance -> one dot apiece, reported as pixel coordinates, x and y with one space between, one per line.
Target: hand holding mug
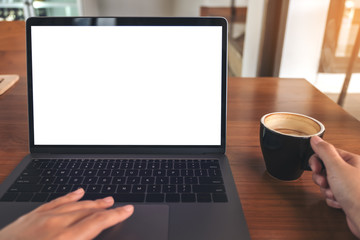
285 143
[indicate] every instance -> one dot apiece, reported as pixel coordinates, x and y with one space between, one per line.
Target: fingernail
108 199
317 139
128 208
79 191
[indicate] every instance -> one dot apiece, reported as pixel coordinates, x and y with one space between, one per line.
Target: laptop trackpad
147 222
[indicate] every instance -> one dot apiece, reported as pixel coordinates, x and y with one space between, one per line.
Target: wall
160 8
253 37
304 34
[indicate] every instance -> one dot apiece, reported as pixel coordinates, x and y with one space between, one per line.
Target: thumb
327 153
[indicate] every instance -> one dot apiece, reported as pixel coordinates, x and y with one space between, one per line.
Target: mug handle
306 165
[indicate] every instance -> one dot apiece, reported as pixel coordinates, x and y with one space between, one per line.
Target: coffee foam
292 124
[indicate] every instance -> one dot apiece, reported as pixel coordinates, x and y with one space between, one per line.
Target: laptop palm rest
147 222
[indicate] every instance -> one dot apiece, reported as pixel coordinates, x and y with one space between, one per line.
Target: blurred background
316 40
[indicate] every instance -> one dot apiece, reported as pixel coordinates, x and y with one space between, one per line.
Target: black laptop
133 108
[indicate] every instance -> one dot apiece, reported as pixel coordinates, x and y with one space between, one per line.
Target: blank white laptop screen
126 85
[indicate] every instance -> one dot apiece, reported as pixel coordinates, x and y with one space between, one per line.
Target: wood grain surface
13 103
276 209
273 209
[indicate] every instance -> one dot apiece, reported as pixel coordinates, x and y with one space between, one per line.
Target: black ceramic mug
285 143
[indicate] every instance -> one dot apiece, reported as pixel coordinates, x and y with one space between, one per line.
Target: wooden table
273 209
276 209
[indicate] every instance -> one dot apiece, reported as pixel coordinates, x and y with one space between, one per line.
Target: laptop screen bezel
128 21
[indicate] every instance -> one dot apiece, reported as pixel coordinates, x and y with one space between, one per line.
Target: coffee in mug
285 143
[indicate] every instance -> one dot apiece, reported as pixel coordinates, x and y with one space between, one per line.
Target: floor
352 103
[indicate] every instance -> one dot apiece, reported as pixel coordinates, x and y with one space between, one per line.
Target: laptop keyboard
127 180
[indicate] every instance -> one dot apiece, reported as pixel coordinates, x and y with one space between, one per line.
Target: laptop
133 108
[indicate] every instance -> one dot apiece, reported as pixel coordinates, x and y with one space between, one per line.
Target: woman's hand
67 218
340 182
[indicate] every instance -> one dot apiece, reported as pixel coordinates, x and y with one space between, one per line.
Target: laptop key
159 173
104 173
162 180
153 165
208 188
214 166
191 180
179 165
77 186
147 180
140 165
24 197
214 172
173 173
126 165
187 173
25 188
54 196
188 197
138 188
124 188
113 165
9 197
40 197
76 180
47 180
201 173
43 164
49 172
104 180
109 189
90 172
166 165
76 172
203 197
169 188
86 165
64 189
61 180
184 188
219 197
176 180
155 197
118 180
100 164
28 180
60 165
49 188
34 164
32 172
94 188
129 197
154 188
51 164
211 180
90 180
133 180
73 165
193 165
131 173
117 173
145 173
94 196
62 173
172 197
